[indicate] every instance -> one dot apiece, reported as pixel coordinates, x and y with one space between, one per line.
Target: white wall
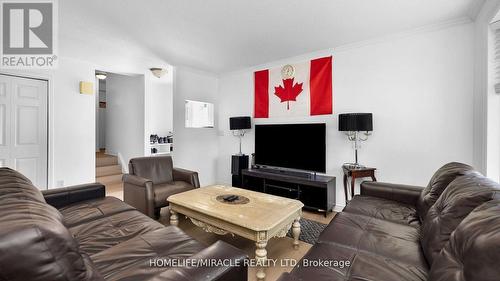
195 149
72 128
125 117
418 86
101 130
100 92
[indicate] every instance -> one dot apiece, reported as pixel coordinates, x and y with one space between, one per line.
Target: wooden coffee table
257 216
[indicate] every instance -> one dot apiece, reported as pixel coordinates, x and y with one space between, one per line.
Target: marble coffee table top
263 212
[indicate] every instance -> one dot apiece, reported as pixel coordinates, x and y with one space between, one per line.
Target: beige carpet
277 248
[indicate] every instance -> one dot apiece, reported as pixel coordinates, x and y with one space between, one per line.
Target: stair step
112 179
108 170
106 161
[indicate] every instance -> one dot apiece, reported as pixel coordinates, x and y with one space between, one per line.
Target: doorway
24 127
120 131
108 168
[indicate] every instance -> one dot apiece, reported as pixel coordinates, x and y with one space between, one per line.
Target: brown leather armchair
151 180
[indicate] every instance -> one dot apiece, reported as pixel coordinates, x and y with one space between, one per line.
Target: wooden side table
355 173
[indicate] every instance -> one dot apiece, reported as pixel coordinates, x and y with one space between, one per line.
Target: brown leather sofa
447 231
78 234
151 180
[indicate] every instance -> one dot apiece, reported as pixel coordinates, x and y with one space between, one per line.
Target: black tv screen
294 146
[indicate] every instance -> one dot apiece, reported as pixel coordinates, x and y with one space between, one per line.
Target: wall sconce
86 88
158 72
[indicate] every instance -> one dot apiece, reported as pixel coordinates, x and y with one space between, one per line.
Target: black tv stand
317 192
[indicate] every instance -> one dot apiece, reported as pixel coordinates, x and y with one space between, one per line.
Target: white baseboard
121 161
338 208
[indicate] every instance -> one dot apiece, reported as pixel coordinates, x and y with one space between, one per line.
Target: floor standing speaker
238 163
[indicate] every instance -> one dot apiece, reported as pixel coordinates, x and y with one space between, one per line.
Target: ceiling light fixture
158 72
100 75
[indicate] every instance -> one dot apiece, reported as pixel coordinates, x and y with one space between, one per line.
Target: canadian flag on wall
301 89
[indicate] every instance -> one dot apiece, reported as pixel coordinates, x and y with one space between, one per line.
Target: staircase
109 172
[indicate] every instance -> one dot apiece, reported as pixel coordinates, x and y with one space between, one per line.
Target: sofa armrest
136 180
187 176
61 197
219 252
407 194
138 192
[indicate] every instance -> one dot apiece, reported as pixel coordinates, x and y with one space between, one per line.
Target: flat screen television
293 146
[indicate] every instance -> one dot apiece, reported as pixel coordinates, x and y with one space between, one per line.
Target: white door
23 127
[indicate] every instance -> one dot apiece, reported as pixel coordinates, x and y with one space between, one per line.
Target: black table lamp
357 127
239 125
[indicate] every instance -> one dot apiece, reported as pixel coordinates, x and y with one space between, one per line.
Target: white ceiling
226 35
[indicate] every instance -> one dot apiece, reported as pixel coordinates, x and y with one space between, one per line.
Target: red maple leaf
289 92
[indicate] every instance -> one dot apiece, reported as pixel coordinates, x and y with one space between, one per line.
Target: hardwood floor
277 248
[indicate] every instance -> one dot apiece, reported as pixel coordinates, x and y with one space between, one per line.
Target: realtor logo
28 34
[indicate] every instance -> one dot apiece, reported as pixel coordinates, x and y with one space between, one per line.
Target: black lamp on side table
239 162
357 127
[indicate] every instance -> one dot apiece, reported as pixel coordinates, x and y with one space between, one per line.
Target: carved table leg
174 219
346 189
296 233
353 185
261 257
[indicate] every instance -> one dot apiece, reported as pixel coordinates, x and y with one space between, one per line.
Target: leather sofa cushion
390 240
383 209
473 252
82 212
101 234
438 183
163 191
16 186
35 245
130 260
462 196
364 266
157 169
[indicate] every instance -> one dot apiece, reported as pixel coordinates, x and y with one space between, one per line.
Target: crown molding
404 34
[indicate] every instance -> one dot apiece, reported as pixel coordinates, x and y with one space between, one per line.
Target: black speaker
237 181
238 163
240 123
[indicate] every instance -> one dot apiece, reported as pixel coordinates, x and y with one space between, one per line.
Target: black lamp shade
355 122
240 123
